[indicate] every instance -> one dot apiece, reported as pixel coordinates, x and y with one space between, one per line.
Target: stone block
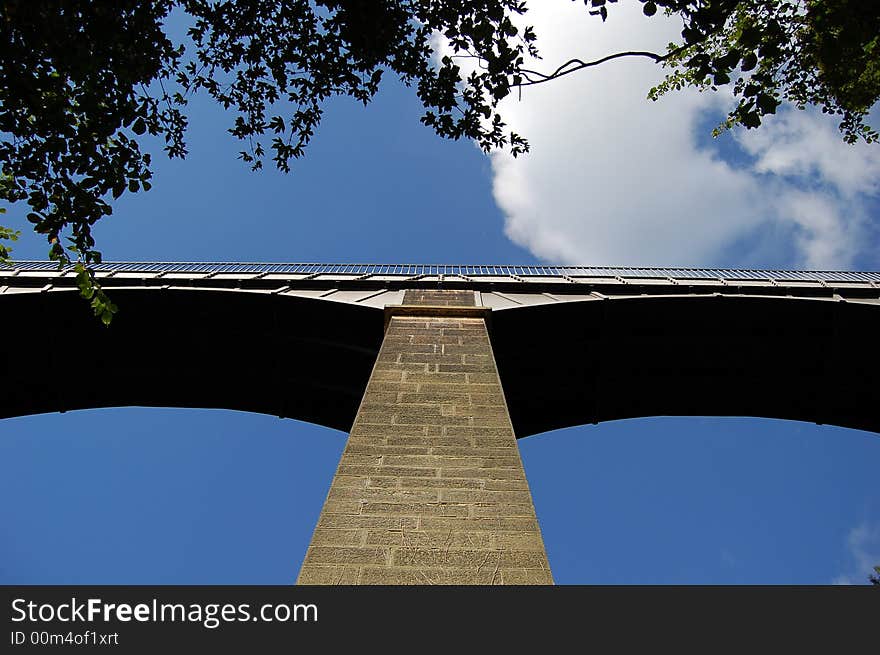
329 575
347 555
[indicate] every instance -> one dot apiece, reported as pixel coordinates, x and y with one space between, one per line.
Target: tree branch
577 64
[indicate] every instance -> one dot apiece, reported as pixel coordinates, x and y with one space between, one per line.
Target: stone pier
430 488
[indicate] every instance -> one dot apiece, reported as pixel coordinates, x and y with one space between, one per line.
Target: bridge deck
498 287
573 344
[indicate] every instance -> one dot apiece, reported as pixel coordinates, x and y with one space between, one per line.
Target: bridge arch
806 359
296 357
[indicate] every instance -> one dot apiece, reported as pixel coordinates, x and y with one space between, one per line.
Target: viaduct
435 371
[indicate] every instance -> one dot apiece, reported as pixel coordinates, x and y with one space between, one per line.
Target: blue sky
145 495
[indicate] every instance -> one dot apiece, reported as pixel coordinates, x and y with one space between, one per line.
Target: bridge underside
291 357
561 364
587 362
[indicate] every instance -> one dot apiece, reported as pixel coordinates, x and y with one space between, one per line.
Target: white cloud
613 178
827 228
822 185
863 546
799 144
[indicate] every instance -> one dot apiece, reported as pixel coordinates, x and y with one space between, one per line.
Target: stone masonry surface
449 298
430 488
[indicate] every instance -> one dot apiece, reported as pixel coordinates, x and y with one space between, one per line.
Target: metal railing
468 271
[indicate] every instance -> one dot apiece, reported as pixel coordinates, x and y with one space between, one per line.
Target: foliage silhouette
84 81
